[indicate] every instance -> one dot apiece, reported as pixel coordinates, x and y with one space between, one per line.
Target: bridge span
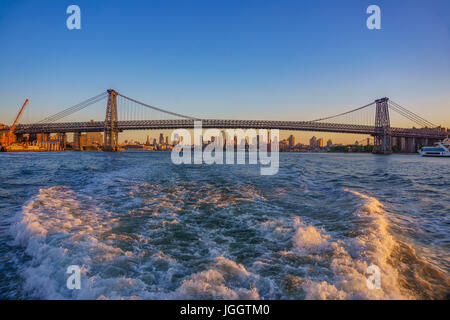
385 136
99 126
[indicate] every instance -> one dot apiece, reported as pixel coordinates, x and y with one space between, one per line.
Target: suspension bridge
125 113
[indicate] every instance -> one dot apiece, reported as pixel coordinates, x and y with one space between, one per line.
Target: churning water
141 227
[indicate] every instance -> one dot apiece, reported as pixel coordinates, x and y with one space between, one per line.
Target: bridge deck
226 124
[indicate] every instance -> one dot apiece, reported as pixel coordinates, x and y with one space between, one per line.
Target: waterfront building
291 141
94 139
329 143
83 140
3 134
284 145
320 142
313 142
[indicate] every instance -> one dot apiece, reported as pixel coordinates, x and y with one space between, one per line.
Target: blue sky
227 59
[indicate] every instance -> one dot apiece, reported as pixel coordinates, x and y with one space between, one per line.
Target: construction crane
13 127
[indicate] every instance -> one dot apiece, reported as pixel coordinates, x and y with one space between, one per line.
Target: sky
285 60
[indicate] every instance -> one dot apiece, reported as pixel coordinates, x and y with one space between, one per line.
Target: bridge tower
383 137
111 138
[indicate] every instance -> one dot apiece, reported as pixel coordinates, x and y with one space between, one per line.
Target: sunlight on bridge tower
111 135
383 140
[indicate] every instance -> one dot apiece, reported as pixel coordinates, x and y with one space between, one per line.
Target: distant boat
441 149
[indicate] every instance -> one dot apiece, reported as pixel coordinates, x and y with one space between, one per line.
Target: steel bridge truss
381 130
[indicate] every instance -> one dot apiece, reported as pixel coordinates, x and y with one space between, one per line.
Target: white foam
348 259
308 238
57 230
59 227
225 280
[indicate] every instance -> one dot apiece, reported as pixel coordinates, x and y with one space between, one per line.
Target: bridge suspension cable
157 109
352 116
75 108
344 113
410 115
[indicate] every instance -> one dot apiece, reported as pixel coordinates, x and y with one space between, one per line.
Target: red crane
13 127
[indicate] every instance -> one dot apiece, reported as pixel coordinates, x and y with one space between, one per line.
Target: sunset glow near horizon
227 59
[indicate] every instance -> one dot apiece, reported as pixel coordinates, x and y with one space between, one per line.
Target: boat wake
59 227
348 259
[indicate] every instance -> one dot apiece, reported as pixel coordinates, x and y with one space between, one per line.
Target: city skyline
91 139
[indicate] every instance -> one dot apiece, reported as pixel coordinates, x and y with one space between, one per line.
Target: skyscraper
313 142
291 141
320 142
329 143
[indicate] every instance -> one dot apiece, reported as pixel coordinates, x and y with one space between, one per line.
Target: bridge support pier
77 141
45 137
424 142
32 138
396 143
402 144
62 139
420 142
411 145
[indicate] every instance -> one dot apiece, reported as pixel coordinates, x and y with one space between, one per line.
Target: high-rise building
147 143
161 138
313 142
284 145
329 143
320 142
291 141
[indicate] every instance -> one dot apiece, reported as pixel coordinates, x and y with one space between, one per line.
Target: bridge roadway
98 126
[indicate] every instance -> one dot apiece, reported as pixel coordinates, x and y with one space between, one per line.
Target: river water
141 227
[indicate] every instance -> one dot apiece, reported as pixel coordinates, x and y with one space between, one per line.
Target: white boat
441 149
